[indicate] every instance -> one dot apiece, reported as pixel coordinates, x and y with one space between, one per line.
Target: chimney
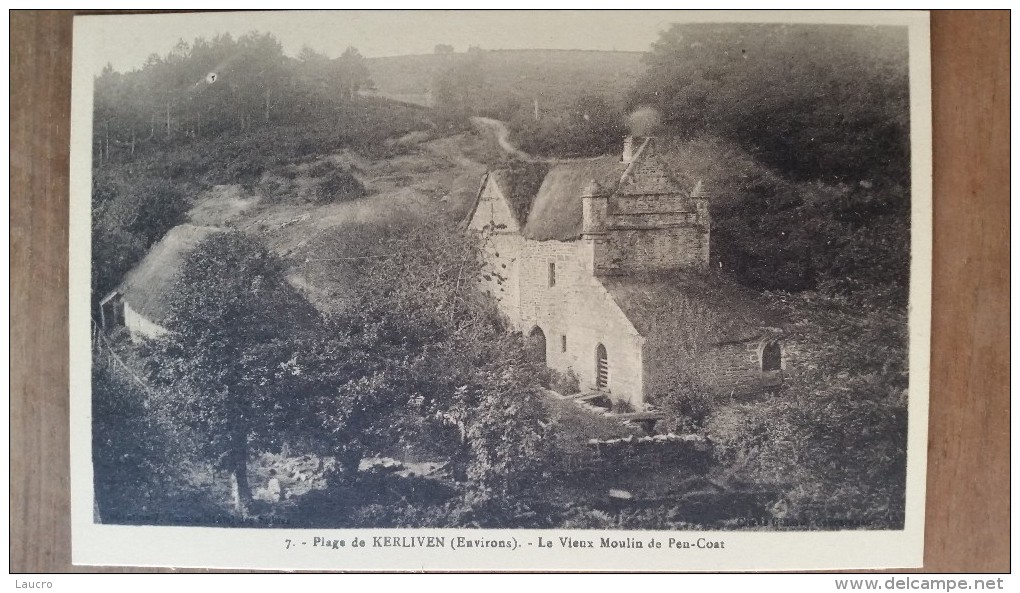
594 208
628 149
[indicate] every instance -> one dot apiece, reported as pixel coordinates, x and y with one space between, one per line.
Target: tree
415 310
236 329
596 125
351 74
460 90
800 97
443 48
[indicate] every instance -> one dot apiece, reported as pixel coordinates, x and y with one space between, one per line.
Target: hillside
555 77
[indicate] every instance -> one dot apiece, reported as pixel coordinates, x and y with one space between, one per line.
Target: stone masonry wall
647 250
501 246
731 370
579 307
643 233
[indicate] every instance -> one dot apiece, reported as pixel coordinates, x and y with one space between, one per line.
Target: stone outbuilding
604 264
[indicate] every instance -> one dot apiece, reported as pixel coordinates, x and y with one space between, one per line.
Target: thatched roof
556 211
147 287
723 311
545 198
519 184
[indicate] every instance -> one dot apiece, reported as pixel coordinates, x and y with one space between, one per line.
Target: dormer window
552 274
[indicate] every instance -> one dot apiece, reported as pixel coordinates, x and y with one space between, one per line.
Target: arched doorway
536 345
601 368
772 364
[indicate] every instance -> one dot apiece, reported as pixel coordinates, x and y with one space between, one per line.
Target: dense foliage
774 233
815 102
419 305
799 135
835 439
591 126
235 328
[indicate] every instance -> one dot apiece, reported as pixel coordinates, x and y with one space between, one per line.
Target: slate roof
147 287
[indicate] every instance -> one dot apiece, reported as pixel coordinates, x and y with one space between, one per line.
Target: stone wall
731 370
649 250
578 307
501 247
500 276
493 211
643 233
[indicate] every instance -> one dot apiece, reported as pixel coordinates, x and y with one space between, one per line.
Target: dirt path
502 134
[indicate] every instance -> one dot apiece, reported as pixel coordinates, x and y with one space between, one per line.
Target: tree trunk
168 119
240 490
132 142
268 94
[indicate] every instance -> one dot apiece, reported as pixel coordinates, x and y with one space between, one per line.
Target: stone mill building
604 264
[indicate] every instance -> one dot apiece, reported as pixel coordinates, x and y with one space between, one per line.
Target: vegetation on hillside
799 135
220 111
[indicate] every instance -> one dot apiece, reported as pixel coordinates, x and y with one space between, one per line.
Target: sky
127 40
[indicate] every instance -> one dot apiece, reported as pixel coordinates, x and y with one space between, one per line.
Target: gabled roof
647 178
722 311
519 183
147 287
545 197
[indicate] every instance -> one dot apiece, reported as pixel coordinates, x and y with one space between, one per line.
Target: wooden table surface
968 515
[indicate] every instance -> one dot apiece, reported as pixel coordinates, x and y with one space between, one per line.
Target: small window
563 343
552 274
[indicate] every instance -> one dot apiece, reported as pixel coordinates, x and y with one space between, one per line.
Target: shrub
272 189
622 406
321 169
563 383
686 402
339 186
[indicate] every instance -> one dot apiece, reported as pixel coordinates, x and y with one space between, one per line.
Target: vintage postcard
500 290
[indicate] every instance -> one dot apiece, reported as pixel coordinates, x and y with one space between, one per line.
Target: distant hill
555 77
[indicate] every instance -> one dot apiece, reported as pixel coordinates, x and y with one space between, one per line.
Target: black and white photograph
500 289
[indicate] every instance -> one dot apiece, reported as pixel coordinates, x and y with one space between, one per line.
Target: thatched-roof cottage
604 264
141 302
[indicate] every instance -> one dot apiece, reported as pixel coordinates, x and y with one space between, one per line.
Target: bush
622 406
339 186
272 189
835 442
685 400
563 383
321 169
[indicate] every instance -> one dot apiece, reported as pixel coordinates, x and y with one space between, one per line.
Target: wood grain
968 475
968 451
